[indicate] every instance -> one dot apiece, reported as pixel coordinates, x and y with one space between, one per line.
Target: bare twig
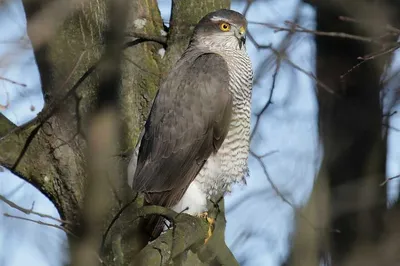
369 57
13 81
277 191
387 27
280 56
296 28
54 106
269 101
247 7
381 52
389 179
70 233
268 153
311 75
116 216
142 36
42 223
31 211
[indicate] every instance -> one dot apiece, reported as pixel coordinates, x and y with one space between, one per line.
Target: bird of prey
196 138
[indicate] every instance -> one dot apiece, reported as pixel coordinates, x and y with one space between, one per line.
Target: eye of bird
224 26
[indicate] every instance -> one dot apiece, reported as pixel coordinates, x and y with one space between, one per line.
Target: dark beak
242 41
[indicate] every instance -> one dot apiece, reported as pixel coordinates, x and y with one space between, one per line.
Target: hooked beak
241 36
242 41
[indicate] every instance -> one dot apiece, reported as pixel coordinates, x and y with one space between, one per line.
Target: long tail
154 225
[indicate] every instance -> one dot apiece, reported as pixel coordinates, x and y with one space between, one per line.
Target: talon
211 223
203 215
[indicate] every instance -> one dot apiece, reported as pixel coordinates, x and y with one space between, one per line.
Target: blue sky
259 222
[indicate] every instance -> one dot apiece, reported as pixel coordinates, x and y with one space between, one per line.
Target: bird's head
223 28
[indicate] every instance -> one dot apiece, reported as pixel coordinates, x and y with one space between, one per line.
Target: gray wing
188 121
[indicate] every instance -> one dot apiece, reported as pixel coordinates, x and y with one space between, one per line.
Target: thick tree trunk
348 198
51 152
350 124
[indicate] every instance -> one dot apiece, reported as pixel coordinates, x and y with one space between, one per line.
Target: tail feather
155 224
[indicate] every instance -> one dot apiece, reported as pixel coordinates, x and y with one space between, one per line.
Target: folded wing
188 122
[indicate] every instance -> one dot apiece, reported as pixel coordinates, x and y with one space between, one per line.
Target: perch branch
173 242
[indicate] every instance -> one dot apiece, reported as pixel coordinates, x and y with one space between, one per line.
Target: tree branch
187 233
5 125
41 223
30 211
160 251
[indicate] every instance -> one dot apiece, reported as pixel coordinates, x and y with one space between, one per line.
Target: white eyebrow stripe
216 18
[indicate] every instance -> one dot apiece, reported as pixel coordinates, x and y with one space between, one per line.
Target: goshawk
196 138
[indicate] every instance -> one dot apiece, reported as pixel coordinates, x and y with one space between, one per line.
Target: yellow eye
225 26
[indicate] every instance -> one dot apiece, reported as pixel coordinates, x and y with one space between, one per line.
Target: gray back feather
188 121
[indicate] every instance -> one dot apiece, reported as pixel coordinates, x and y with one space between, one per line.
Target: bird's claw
211 224
203 215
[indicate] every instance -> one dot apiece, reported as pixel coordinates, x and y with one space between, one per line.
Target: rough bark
51 151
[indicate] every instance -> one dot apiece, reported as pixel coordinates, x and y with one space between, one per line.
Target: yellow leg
203 215
211 224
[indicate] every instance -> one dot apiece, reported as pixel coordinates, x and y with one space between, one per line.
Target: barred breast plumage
229 164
